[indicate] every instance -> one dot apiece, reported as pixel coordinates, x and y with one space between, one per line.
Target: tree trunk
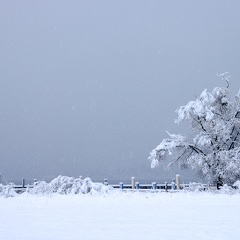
219 183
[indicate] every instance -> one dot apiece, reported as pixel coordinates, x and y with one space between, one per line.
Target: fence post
166 186
173 185
133 183
23 183
178 181
154 185
105 181
35 181
121 185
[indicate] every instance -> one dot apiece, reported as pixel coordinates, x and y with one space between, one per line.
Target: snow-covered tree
213 149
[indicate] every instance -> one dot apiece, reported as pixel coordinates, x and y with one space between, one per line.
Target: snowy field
120 215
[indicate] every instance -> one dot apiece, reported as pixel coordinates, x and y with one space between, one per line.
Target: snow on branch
165 148
225 77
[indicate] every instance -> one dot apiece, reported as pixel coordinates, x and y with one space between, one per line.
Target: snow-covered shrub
93 188
40 187
236 185
86 186
7 190
196 187
68 185
62 184
226 189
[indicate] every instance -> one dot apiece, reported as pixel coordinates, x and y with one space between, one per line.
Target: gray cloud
89 87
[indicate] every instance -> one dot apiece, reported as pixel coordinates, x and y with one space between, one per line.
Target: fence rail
174 185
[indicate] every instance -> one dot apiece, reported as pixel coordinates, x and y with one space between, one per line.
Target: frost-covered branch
225 77
196 149
198 122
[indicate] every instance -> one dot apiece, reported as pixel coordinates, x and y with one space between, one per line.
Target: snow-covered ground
119 215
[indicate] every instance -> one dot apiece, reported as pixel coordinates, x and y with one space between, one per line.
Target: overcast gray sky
89 87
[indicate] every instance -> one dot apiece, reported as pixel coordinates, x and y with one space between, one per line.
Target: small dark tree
214 151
